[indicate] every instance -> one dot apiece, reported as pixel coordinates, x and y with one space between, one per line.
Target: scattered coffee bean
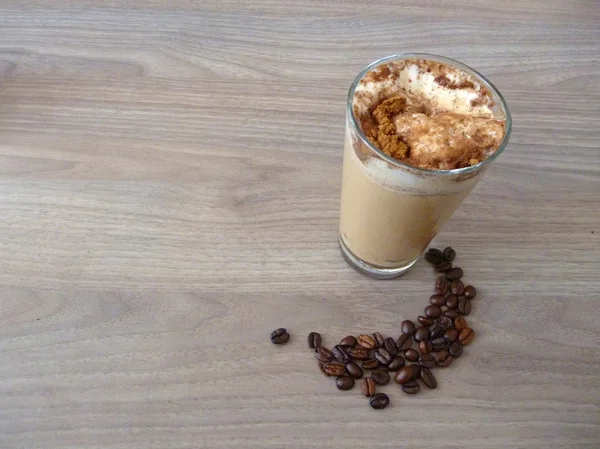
333 369
432 312
379 401
443 358
408 327
454 274
455 349
366 341
434 256
464 306
412 355
322 370
466 336
439 340
451 301
340 353
397 363
378 340
427 360
437 332
280 336
370 364
424 320
451 335
404 342
445 322
323 354
348 341
390 345
354 370
314 340
451 313
457 287
407 373
344 382
383 356
422 334
437 300
428 378
380 377
460 323
443 267
442 285
367 386
359 353
439 344
411 387
470 292
425 347
436 251
449 254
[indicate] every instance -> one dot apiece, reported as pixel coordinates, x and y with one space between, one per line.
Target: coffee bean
443 267
354 370
359 353
367 386
455 349
443 358
348 341
422 334
424 320
449 254
383 356
460 323
427 360
340 353
464 306
390 346
408 327
404 342
333 369
396 364
434 256
436 251
437 332
451 335
345 382
428 378
379 401
279 336
442 285
437 300
470 292
379 340
451 313
439 344
411 387
380 377
433 312
466 335
412 355
407 373
314 340
454 273
445 322
322 370
323 354
425 347
366 341
457 287
452 301
370 364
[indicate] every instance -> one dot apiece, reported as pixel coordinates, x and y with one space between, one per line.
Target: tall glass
390 211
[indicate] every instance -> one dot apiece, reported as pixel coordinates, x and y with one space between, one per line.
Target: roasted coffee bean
443 267
425 347
323 354
428 378
437 332
404 342
455 349
333 369
452 301
454 273
280 336
424 320
348 341
422 334
366 341
439 341
457 287
397 363
407 373
443 358
434 257
408 327
367 386
436 251
314 340
437 300
445 322
451 313
383 356
359 353
460 323
442 285
379 340
439 344
433 312
379 401
322 370
466 335
411 387
390 345
344 382
380 377
451 335
412 355
449 254
470 292
427 360
464 306
354 370
370 364
340 353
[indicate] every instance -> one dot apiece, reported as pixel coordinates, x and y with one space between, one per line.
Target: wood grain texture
169 193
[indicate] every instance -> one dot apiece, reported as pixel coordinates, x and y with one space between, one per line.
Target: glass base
370 270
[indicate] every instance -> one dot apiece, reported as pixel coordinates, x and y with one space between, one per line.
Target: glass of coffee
420 132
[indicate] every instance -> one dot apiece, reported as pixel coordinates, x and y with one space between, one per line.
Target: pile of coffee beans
434 342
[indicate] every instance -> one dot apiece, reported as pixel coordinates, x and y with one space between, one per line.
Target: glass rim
437 58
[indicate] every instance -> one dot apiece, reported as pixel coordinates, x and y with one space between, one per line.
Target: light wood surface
169 193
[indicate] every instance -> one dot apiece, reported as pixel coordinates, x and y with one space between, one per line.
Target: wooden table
169 192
